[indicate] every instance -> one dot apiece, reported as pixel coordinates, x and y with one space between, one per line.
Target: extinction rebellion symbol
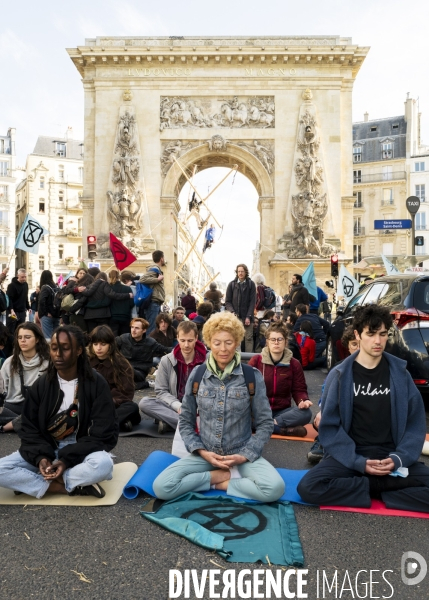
348 286
32 233
224 520
119 253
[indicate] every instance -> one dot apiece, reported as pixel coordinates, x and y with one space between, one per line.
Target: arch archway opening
234 205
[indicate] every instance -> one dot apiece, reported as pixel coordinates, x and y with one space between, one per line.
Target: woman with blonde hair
223 453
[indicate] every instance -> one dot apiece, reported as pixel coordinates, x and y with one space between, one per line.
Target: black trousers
331 483
128 411
93 323
10 411
120 327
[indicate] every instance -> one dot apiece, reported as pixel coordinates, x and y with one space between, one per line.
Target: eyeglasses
276 340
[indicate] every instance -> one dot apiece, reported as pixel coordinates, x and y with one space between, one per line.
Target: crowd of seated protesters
46 388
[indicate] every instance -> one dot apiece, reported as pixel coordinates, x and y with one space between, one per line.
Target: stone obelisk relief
309 201
127 214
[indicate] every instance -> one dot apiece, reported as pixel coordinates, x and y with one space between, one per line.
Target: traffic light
330 283
420 240
334 265
91 242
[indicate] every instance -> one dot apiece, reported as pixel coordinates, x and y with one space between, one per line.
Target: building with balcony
8 179
52 193
418 176
382 151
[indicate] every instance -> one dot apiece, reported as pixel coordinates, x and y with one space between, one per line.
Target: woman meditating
224 454
106 359
284 380
28 362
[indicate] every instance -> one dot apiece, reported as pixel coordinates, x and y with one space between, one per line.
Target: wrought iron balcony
357 231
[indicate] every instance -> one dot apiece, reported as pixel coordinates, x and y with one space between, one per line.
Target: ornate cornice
249 51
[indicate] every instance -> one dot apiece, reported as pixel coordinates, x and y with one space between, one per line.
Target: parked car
407 296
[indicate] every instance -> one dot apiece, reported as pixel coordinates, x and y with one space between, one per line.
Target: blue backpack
143 296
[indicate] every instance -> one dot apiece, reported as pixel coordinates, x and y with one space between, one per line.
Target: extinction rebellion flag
121 255
30 235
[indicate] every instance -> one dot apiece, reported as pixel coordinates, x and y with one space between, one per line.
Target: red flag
121 255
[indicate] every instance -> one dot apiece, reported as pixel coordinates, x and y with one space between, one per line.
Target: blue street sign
393 224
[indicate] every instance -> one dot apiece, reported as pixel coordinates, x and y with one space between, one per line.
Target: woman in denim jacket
224 455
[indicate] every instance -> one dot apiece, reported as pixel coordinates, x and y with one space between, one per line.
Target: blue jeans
259 480
292 417
49 324
19 475
151 312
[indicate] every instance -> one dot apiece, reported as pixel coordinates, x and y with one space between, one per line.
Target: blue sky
41 92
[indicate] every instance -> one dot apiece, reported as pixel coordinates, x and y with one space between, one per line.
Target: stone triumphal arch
277 107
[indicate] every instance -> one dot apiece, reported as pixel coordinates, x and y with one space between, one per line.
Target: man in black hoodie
17 292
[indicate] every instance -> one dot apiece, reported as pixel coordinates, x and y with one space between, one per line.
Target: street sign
93 264
393 224
413 204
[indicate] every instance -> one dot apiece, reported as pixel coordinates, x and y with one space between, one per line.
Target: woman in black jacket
68 428
100 295
120 310
48 315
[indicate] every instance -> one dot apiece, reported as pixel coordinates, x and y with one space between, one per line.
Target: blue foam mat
157 461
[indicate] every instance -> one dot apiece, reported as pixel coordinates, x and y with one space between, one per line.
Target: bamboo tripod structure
193 244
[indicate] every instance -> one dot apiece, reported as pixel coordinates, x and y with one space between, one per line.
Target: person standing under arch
240 300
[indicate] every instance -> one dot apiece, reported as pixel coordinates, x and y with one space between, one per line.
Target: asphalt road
125 557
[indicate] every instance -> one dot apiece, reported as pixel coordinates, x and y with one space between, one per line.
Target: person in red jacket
284 380
307 347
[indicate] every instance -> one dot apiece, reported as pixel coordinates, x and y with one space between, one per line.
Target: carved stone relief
200 112
126 205
309 206
264 152
217 144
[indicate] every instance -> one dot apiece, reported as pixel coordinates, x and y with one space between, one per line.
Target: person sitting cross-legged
139 350
350 344
29 361
68 426
373 425
227 414
284 380
171 377
106 359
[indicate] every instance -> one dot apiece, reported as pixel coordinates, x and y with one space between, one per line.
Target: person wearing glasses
29 360
284 380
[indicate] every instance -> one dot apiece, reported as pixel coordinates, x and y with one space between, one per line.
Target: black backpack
56 302
270 297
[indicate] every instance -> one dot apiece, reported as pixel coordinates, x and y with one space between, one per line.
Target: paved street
125 556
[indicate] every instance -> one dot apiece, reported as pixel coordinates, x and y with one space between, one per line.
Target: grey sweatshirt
12 385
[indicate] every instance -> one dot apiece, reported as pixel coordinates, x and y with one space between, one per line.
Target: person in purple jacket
373 427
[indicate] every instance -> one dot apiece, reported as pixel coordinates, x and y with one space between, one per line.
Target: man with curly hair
373 427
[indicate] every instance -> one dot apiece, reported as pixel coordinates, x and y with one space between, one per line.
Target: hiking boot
316 452
127 426
164 427
298 431
88 490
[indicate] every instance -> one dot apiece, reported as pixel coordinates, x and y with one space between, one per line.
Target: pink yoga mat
379 508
